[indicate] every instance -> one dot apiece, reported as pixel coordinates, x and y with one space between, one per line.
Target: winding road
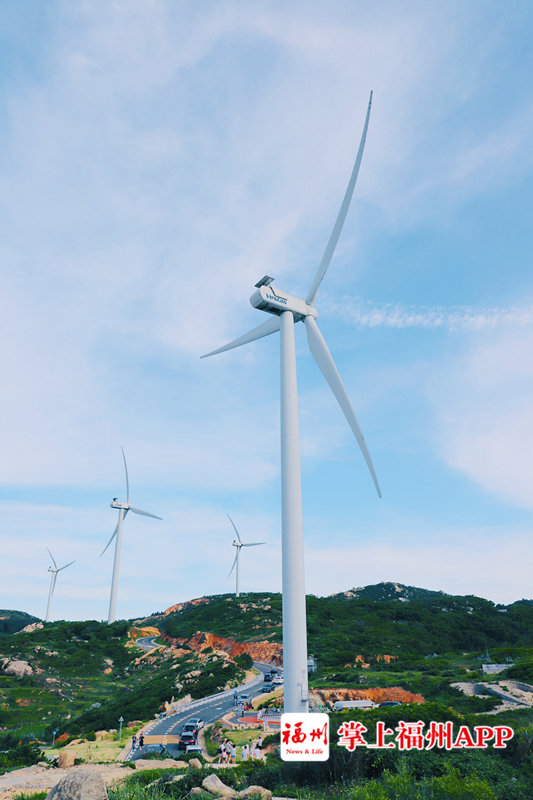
166 730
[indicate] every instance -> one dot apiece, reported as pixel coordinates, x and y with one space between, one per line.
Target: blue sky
157 158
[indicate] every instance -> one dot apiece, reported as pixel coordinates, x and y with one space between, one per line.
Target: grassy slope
85 678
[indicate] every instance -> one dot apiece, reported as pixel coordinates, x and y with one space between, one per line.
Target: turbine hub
274 301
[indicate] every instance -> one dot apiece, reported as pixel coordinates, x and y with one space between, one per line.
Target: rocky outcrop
195 763
187 604
35 626
255 792
214 786
67 759
259 651
17 668
79 786
377 695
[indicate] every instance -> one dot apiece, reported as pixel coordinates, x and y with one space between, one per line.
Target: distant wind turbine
239 545
123 509
54 570
285 311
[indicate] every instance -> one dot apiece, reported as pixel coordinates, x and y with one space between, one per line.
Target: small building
493 669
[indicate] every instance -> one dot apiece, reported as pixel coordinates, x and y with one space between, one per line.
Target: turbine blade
337 228
319 351
143 513
127 480
265 329
234 528
253 544
109 542
66 565
233 567
53 559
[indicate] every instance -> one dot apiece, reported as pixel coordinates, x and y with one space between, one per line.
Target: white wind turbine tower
54 570
239 545
285 311
123 509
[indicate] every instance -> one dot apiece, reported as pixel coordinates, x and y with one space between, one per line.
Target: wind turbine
123 509
285 311
239 545
54 570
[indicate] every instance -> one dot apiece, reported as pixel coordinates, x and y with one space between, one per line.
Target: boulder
214 785
195 763
18 668
67 759
79 786
35 626
256 791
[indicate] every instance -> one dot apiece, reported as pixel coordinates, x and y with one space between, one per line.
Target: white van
342 705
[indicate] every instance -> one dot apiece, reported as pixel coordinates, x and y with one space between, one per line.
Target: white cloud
368 314
484 406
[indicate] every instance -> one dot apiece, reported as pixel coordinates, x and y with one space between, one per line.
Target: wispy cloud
368 314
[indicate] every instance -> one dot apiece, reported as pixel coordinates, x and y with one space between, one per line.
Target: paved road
209 710
147 643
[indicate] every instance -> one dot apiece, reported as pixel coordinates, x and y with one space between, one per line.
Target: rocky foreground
91 781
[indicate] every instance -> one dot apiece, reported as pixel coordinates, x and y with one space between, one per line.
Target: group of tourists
252 751
227 752
140 740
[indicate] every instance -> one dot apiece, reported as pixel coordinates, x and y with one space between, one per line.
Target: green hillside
13 621
342 626
85 675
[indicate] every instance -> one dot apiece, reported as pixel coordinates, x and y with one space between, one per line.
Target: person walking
133 742
245 752
221 750
141 740
260 744
233 754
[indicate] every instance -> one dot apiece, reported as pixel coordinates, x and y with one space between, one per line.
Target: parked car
267 677
187 738
277 681
389 703
198 722
245 698
194 748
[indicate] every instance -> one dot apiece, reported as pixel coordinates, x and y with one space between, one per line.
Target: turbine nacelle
274 301
116 504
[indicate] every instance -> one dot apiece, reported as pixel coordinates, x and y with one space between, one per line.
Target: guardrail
208 698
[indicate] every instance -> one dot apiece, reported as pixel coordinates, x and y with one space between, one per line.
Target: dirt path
38 779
